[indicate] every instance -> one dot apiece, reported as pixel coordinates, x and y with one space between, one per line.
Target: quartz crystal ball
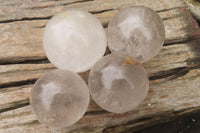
138 31
74 40
59 98
118 83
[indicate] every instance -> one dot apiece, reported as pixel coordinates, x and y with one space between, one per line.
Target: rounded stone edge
38 80
150 10
125 55
105 35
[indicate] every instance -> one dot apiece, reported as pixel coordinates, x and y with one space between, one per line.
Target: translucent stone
74 40
138 31
59 98
118 83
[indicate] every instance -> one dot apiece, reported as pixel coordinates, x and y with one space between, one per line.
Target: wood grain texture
194 7
174 73
26 42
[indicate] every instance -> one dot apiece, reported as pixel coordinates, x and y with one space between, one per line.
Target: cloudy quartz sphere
74 40
138 31
118 83
59 98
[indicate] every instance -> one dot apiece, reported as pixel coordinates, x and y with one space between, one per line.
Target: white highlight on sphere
118 83
137 31
74 40
59 98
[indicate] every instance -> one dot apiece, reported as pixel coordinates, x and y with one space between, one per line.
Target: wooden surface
187 124
174 73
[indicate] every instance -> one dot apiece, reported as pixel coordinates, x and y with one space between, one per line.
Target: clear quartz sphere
138 31
74 40
118 83
59 98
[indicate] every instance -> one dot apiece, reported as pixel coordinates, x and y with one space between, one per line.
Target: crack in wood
93 12
96 112
164 19
176 41
43 26
173 73
14 105
15 88
45 60
25 19
29 61
64 4
168 73
164 10
151 120
101 11
23 103
19 83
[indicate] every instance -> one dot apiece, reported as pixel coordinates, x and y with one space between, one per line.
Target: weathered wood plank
14 74
11 10
26 43
21 41
194 6
165 88
183 91
175 56
14 97
179 57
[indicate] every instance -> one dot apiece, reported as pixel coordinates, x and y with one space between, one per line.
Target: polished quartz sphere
74 40
138 31
118 83
59 98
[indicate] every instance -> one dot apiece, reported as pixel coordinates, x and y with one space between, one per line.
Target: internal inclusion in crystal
74 40
59 98
118 83
138 31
